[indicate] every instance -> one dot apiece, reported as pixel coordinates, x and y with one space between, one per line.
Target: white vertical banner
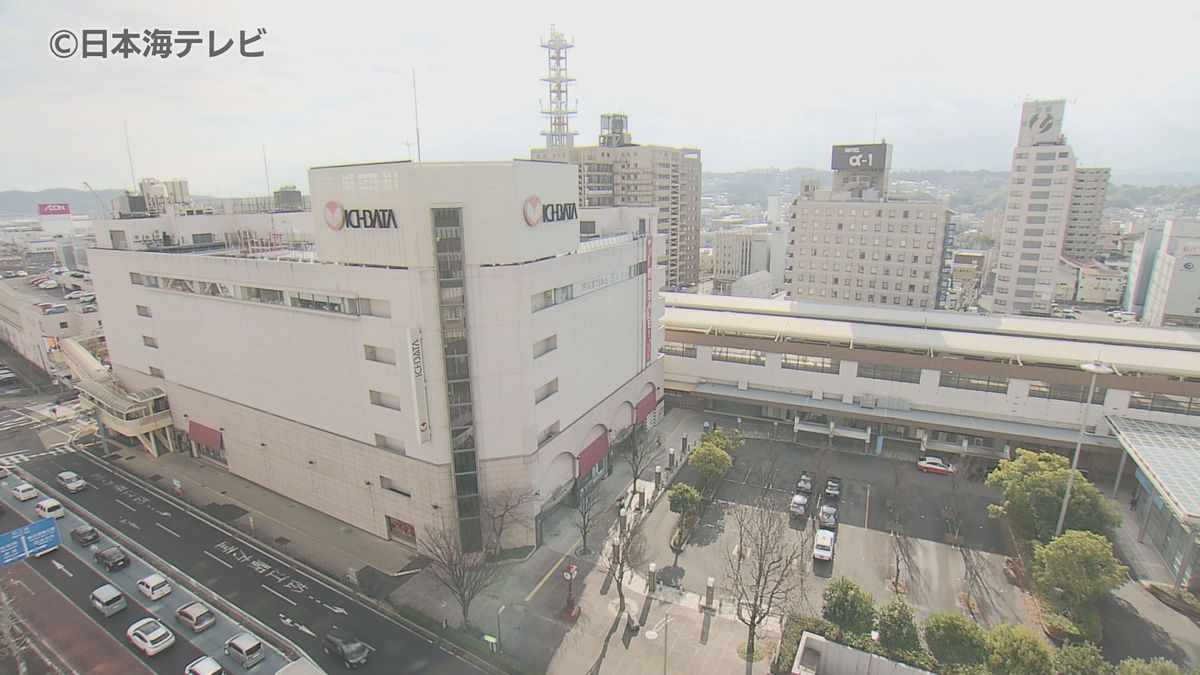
417 364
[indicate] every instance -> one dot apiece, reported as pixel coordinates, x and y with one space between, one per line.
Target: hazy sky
755 84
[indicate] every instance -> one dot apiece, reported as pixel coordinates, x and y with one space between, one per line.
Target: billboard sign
1041 122
29 540
873 157
55 209
420 401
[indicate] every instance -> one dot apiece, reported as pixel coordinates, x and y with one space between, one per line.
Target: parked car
71 482
74 294
196 616
805 483
113 558
827 517
205 665
823 545
22 273
833 488
24 492
85 535
799 506
9 274
340 643
931 464
48 285
150 636
154 586
3 472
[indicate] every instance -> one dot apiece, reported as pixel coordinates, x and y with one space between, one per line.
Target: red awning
206 436
646 406
593 453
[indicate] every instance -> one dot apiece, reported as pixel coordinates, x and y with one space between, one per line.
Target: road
275 592
73 575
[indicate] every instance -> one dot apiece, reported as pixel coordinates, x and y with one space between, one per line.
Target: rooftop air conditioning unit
867 401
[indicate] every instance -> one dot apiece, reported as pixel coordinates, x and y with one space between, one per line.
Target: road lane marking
62 568
279 595
168 530
867 516
218 559
553 568
125 505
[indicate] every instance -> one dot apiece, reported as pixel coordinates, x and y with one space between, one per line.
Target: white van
246 649
50 508
108 600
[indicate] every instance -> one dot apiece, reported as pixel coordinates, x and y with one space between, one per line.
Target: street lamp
499 642
1095 368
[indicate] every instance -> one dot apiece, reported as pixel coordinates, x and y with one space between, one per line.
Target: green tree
1081 659
683 498
711 461
955 640
1081 564
1033 486
1156 666
1017 650
729 440
848 607
898 630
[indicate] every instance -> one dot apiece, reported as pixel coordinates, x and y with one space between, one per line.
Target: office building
430 335
746 250
1173 294
618 172
856 243
1053 209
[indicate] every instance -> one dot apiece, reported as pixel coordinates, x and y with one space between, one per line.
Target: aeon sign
338 217
55 209
536 213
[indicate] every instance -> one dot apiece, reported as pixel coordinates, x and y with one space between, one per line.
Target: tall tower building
856 243
558 109
1054 208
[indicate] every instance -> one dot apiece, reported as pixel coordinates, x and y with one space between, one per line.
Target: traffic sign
28 540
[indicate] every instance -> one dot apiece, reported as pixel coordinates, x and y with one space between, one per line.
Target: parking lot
937 576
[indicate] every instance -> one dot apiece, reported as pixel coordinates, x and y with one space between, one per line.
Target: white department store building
437 333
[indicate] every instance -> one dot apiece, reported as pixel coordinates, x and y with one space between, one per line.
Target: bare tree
13 640
766 570
901 543
638 452
959 496
464 574
588 509
625 554
770 467
505 506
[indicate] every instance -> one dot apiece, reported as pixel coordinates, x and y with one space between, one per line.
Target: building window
379 354
387 484
735 355
542 347
149 341
155 372
1064 392
545 391
815 364
143 310
135 279
993 384
384 400
545 435
390 444
678 349
63 324
1168 403
880 371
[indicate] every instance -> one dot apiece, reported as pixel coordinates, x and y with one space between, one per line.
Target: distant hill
23 204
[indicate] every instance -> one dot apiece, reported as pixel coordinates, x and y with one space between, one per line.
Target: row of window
866 213
269 296
562 294
878 227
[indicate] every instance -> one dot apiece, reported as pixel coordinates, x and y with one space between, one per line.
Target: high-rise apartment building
747 250
1053 209
1173 295
856 243
618 172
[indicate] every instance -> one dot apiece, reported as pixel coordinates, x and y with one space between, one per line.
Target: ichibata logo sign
536 213
338 217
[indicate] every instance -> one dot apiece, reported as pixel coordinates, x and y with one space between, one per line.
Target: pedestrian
1133 503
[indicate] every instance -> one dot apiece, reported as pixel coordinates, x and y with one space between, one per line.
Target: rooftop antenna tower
559 110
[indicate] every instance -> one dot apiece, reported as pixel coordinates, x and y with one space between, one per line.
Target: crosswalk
22 457
42 415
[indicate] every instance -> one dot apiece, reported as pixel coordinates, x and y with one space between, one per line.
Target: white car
71 482
74 294
22 273
799 505
931 464
48 285
24 492
823 548
150 636
154 586
205 665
